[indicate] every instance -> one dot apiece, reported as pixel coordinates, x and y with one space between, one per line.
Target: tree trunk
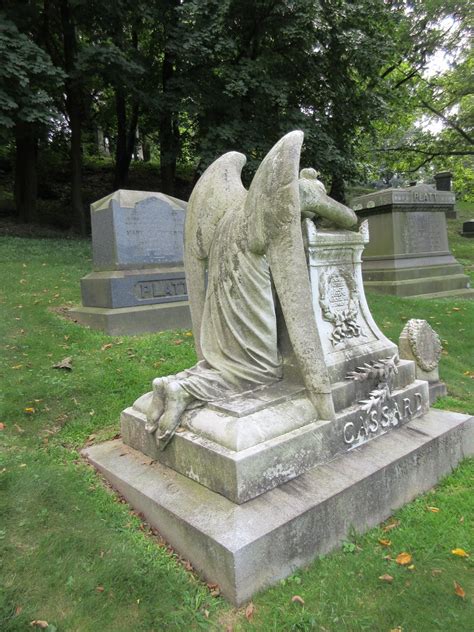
169 129
120 171
78 215
74 111
125 138
337 191
26 176
169 133
146 150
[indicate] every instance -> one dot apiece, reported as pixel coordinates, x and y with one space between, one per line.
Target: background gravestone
408 253
138 283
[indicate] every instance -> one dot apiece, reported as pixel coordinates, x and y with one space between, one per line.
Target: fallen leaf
2 425
460 552
29 410
66 364
18 610
456 309
17 366
459 590
403 559
433 509
40 624
411 567
100 589
214 588
206 614
177 342
188 333
249 611
107 346
392 525
386 578
399 629
297 599
385 542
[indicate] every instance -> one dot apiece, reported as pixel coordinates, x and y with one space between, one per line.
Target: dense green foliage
181 82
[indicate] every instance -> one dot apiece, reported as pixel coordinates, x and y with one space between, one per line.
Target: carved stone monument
299 420
408 254
420 343
138 284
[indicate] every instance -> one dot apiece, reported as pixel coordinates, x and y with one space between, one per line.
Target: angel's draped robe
239 330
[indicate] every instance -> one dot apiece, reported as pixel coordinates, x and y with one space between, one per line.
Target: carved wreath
344 322
415 329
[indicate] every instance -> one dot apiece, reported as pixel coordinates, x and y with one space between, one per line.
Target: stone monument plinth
300 420
408 254
138 283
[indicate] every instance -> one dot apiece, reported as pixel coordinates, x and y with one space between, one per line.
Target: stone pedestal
408 254
245 445
138 284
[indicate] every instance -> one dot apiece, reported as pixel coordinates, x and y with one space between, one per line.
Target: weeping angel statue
243 242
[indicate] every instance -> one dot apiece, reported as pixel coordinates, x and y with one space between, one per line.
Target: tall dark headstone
443 183
443 180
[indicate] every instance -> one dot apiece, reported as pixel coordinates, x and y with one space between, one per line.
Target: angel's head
312 174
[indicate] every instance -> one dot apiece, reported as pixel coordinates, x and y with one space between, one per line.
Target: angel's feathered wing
218 190
272 207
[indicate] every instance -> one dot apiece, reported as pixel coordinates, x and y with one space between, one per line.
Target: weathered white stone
419 342
248 243
300 413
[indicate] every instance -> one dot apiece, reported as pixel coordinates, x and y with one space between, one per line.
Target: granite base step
132 321
466 293
246 548
412 287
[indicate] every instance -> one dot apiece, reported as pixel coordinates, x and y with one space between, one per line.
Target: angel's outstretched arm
315 200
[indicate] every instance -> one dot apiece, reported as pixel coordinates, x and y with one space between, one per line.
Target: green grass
64 536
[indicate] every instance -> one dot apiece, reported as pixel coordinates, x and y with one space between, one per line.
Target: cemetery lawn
75 556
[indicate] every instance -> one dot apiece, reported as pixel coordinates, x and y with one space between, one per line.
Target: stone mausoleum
408 253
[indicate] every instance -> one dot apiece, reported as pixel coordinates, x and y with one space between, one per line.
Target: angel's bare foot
177 399
157 404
